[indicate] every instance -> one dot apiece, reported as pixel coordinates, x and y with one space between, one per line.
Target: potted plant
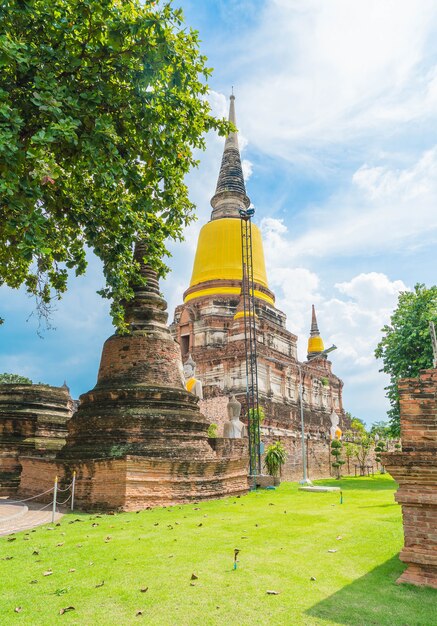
274 459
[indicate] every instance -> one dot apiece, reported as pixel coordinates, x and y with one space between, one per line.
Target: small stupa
315 341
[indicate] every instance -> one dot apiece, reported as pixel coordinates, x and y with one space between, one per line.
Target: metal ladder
248 294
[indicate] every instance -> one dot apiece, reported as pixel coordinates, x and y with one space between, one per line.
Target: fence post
73 485
55 493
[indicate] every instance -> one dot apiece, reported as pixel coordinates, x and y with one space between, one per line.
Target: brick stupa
138 438
415 469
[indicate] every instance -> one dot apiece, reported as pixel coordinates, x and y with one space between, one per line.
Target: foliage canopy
14 379
102 103
406 347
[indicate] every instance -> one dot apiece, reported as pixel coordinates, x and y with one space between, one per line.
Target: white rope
27 499
45 507
65 501
69 487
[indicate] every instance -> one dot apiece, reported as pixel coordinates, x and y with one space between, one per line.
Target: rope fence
54 503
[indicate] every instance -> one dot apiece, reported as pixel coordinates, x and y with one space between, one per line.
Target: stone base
419 575
131 483
264 480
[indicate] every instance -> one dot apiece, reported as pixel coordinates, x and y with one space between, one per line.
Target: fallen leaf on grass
313 578
71 570
272 593
11 538
138 613
18 609
66 609
26 538
194 576
100 584
8 558
332 550
35 552
33 582
48 573
59 545
144 589
192 584
339 538
200 524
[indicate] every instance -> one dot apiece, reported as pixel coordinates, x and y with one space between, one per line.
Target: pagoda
209 324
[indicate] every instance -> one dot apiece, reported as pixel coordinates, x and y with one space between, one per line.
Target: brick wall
415 469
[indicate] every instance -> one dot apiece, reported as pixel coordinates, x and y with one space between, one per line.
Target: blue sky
336 108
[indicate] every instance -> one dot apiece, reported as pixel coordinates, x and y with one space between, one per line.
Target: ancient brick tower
210 323
138 438
415 470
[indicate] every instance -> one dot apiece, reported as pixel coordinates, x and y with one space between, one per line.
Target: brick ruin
209 325
415 469
33 421
138 438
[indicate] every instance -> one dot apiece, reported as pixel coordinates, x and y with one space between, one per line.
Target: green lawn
284 537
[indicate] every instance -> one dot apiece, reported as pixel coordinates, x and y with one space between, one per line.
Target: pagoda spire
315 342
230 194
147 311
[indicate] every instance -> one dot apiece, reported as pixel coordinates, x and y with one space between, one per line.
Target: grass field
102 565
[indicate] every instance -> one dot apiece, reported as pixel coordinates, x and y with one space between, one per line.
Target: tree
14 379
362 451
102 103
381 428
406 347
358 426
380 447
336 447
349 452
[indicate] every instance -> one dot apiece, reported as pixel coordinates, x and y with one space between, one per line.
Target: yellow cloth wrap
218 254
315 344
190 384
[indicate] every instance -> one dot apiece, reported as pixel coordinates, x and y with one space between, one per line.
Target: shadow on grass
376 599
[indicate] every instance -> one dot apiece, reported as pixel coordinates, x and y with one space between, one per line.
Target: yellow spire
315 342
217 266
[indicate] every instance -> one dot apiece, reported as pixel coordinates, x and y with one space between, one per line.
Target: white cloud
247 167
382 209
331 72
372 290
